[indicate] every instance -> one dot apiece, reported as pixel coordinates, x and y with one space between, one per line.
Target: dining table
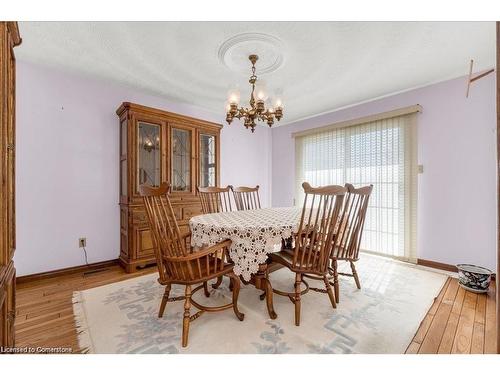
254 234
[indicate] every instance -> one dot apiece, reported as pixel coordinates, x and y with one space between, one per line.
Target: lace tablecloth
254 234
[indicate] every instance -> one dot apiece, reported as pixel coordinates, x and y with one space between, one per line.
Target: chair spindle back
246 198
315 236
351 222
169 243
215 199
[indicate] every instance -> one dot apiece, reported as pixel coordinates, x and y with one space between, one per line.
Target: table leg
260 281
269 300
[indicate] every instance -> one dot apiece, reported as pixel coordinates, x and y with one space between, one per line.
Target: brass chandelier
257 110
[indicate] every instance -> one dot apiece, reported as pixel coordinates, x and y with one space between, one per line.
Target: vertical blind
382 153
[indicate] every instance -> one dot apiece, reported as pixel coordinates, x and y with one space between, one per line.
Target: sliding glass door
381 153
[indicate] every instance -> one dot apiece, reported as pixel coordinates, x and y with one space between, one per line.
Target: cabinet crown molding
14 32
177 117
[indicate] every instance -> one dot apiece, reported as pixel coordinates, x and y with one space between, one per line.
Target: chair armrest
203 252
186 235
186 238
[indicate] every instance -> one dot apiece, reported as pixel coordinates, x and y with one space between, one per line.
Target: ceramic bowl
474 278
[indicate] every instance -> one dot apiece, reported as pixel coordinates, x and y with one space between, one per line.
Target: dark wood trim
437 265
9 38
498 183
66 271
442 266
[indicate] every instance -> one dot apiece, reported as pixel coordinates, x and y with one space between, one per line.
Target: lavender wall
456 145
67 165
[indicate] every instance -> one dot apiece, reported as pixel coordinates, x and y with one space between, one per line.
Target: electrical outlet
82 242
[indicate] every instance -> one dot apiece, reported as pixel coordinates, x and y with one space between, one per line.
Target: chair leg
298 281
231 283
205 289
355 274
336 280
236 291
164 300
329 290
217 283
187 316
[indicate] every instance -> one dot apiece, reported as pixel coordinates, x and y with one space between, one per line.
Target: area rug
382 317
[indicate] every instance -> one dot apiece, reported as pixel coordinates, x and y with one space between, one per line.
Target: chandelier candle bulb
278 103
257 110
278 113
260 106
261 90
233 108
234 96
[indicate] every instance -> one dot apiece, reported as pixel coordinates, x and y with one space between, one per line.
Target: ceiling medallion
233 53
257 110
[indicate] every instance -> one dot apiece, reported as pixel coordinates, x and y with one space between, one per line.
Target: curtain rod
371 118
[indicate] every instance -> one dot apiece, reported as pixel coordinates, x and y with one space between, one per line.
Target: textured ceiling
318 66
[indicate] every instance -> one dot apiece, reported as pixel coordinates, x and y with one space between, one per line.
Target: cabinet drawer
177 212
190 211
145 246
139 218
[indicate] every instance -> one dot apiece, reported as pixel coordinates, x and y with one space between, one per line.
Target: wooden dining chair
179 263
215 199
246 198
349 232
313 242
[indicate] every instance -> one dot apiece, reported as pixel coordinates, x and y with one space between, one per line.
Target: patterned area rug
382 317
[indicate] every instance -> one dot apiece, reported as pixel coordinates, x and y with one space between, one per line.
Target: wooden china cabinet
158 146
9 38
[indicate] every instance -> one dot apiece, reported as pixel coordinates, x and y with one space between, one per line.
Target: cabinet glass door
148 154
207 160
181 160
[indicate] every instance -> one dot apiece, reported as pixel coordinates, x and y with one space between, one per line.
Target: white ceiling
318 66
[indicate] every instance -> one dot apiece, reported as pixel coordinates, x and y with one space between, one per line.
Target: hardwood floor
458 321
44 310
